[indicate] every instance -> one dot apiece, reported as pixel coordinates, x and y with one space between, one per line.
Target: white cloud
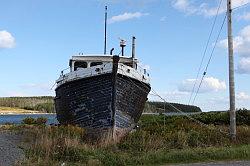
163 18
37 86
15 94
190 7
237 3
242 48
171 96
244 66
243 42
181 4
127 3
126 16
245 16
6 40
209 84
242 96
237 43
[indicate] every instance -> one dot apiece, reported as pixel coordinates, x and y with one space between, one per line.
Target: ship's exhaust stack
111 51
122 45
133 47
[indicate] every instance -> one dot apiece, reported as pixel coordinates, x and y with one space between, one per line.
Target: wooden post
231 73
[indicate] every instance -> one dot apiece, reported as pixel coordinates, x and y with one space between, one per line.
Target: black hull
108 104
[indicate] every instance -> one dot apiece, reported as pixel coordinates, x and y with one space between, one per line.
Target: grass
67 146
199 155
152 158
156 142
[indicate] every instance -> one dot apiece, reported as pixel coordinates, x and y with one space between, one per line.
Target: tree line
46 104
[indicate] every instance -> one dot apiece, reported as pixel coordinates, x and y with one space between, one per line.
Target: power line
205 51
210 58
241 6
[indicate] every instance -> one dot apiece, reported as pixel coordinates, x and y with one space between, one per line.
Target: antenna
105 31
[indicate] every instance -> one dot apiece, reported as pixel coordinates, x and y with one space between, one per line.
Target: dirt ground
10 153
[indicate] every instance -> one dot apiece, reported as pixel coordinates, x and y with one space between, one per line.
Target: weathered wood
106 104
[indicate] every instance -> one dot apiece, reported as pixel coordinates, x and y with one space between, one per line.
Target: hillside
42 103
46 104
159 107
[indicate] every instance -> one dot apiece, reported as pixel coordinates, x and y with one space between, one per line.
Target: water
17 119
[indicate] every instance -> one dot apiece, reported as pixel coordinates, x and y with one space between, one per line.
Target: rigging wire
210 58
53 86
165 102
188 116
61 73
205 51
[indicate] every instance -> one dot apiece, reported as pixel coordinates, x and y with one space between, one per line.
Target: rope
209 61
120 52
205 51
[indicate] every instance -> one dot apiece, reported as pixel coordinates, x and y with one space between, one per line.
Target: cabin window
80 64
128 64
95 63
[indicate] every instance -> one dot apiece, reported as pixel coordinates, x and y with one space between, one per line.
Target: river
17 119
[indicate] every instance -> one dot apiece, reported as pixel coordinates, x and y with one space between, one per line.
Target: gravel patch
10 153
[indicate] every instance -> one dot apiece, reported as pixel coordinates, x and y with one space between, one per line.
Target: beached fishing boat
104 94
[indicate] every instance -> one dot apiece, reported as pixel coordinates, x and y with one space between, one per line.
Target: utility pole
105 31
231 72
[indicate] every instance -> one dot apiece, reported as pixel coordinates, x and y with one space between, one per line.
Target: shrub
29 121
41 121
223 118
33 121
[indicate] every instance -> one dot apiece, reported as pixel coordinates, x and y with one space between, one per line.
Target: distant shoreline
19 111
28 113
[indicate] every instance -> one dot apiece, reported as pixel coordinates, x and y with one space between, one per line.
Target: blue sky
37 38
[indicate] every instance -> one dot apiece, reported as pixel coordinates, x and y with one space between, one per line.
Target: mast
231 73
105 31
133 52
